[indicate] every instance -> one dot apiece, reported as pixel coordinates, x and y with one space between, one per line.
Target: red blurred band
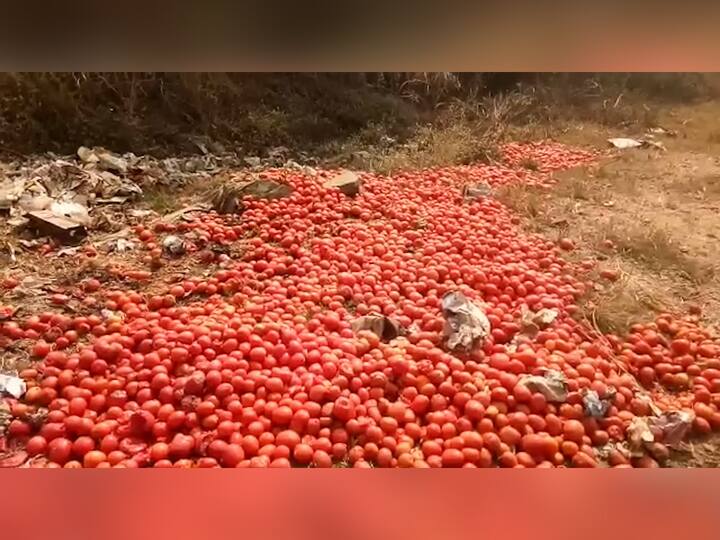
348 504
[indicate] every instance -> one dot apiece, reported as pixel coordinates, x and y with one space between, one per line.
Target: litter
594 406
623 143
28 203
477 190
68 251
227 198
675 426
113 200
73 211
12 386
531 322
103 158
384 327
48 223
639 434
663 131
86 155
137 213
11 252
174 245
13 459
551 384
266 189
121 245
466 324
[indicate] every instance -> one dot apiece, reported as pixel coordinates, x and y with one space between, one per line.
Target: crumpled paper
675 426
531 322
639 434
552 384
174 245
594 406
384 327
466 324
12 386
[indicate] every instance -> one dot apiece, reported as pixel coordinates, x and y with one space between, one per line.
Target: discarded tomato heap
411 325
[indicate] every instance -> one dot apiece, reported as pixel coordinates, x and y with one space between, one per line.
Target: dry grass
654 246
615 306
162 200
714 136
628 215
463 132
161 113
524 200
618 99
432 147
705 186
529 164
574 187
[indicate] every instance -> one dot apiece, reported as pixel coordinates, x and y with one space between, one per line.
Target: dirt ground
650 216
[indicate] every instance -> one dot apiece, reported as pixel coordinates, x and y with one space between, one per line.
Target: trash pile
401 324
56 195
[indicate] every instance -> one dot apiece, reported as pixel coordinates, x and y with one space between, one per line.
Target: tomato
36 445
159 451
59 450
452 457
181 446
321 459
232 455
303 453
256 357
573 430
93 459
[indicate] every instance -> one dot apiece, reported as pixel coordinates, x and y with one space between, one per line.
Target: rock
348 182
252 161
266 189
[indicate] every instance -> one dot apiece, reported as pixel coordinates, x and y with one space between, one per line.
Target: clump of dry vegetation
613 307
442 117
654 246
526 201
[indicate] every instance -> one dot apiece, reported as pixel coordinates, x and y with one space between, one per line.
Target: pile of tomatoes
255 364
